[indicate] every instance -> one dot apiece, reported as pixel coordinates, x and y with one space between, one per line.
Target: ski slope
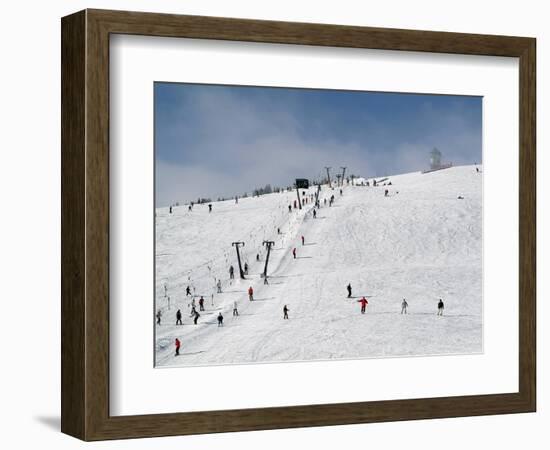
421 243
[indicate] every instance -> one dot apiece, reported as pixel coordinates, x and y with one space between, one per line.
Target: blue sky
213 140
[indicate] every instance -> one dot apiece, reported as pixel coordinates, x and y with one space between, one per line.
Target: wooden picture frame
85 224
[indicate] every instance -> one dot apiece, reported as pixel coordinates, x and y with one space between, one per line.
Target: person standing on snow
201 303
294 252
235 310
219 286
246 268
364 302
314 214
250 293
188 291
159 316
177 343
196 315
348 287
210 208
231 273
289 208
440 307
285 312
220 320
303 240
170 209
404 306
178 318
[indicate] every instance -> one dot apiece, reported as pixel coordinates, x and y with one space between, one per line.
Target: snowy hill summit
420 241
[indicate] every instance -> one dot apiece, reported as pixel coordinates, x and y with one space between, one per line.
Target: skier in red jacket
364 302
178 345
250 293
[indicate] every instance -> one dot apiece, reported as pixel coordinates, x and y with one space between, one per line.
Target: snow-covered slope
421 242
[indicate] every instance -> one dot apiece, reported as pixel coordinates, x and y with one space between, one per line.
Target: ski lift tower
435 159
301 183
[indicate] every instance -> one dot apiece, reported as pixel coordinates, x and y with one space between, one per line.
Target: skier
231 273
257 256
201 303
477 169
235 310
341 193
219 286
348 287
210 207
193 311
303 240
285 312
294 252
440 307
178 345
246 268
364 302
197 315
178 318
236 199
189 208
188 291
170 209
250 293
386 193
289 208
220 320
404 306
314 214
278 231
159 315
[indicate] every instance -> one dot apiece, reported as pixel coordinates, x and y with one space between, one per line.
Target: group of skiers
404 305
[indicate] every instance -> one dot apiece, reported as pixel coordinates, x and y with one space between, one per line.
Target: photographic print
296 224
